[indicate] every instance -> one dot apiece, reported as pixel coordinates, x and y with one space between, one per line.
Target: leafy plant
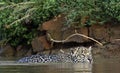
21 18
96 11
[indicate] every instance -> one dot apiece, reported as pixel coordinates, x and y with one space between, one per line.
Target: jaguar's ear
90 48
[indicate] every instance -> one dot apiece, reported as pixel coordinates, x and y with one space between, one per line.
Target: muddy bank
109 50
107 34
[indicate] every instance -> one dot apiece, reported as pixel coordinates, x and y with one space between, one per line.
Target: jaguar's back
80 54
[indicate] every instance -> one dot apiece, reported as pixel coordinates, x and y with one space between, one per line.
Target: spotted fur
81 54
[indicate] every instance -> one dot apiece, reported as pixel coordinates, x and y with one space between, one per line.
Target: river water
99 66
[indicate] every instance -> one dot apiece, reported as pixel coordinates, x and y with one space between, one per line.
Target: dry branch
117 39
13 5
19 20
72 36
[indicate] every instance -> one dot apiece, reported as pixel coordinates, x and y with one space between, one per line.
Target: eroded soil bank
108 35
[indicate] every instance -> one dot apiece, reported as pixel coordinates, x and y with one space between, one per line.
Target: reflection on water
45 68
32 69
107 66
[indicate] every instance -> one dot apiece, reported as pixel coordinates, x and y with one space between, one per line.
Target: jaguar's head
82 54
78 54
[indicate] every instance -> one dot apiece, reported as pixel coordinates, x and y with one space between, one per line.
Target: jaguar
75 55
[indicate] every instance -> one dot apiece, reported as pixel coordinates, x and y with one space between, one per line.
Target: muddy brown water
100 65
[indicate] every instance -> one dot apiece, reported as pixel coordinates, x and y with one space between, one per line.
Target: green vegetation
99 11
19 19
